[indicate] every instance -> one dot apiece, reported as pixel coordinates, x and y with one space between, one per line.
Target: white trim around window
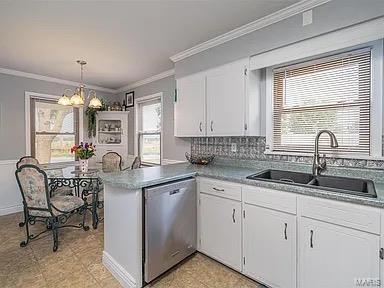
138 101
28 97
376 110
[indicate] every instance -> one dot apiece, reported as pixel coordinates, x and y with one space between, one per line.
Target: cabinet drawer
345 214
220 188
270 198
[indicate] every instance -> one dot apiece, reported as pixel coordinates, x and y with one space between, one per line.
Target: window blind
329 93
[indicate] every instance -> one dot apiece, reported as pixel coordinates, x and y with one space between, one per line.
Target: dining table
86 185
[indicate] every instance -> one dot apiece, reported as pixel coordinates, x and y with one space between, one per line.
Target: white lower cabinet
335 256
270 246
220 229
288 240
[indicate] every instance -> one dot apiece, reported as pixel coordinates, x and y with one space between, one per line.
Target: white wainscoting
10 197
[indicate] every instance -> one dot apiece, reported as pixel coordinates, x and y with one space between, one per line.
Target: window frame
376 109
28 125
138 133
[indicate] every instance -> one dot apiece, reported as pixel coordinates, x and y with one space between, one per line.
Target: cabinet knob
212 126
201 126
285 231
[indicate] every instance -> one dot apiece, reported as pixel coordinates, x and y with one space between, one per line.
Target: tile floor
77 263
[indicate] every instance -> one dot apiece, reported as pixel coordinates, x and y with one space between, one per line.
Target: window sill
329 155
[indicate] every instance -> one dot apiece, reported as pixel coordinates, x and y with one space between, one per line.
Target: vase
84 165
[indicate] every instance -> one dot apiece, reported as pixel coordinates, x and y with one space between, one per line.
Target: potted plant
91 116
84 151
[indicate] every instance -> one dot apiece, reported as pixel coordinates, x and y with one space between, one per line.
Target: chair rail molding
258 24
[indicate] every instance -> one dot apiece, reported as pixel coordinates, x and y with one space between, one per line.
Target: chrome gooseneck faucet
319 166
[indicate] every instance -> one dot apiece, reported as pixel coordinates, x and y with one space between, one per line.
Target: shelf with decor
111 133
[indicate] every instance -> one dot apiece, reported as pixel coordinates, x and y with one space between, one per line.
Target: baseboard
170 161
10 209
124 278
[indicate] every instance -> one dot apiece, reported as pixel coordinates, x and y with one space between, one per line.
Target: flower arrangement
84 150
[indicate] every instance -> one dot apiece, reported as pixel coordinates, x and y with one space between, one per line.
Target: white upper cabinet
190 106
336 256
217 102
226 91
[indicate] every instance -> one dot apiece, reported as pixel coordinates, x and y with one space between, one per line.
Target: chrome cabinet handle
233 216
212 126
285 231
217 189
201 126
311 240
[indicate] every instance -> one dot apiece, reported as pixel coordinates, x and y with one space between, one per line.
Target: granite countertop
140 178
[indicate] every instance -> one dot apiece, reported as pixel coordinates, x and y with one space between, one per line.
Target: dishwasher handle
175 191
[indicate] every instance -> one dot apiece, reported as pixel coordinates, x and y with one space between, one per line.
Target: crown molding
147 80
52 79
263 22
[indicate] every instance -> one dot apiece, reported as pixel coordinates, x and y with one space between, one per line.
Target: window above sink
336 92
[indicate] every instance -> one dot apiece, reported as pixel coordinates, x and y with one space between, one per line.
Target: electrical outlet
233 147
307 17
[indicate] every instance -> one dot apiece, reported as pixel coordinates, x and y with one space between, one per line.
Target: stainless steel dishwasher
170 226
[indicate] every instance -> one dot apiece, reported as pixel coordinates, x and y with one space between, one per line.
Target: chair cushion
62 191
63 203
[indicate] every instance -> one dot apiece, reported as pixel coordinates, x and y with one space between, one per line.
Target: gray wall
12 110
331 16
173 148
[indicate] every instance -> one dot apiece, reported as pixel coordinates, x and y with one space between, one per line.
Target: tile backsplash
252 148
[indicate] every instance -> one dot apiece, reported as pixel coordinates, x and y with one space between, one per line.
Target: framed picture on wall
130 98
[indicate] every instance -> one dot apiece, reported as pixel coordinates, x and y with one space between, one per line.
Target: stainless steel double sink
354 186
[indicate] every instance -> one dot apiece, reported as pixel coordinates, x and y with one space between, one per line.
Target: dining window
332 93
149 113
54 130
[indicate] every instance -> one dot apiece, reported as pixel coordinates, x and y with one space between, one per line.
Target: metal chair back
33 184
111 162
27 160
136 163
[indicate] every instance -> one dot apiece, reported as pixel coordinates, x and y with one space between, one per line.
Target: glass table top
70 171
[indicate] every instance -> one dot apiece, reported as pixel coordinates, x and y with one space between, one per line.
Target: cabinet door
190 106
335 256
270 246
220 229
226 100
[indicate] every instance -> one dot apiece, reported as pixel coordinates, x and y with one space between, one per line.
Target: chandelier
77 98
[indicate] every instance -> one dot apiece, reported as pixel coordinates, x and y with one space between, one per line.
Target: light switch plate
307 17
233 147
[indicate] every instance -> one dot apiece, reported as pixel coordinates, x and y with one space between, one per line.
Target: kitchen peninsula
123 245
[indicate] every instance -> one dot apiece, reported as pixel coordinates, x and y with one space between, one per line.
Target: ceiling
123 41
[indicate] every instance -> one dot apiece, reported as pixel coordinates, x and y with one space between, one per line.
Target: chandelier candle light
78 98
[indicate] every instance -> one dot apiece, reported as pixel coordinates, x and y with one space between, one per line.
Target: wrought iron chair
136 163
111 162
62 191
40 207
